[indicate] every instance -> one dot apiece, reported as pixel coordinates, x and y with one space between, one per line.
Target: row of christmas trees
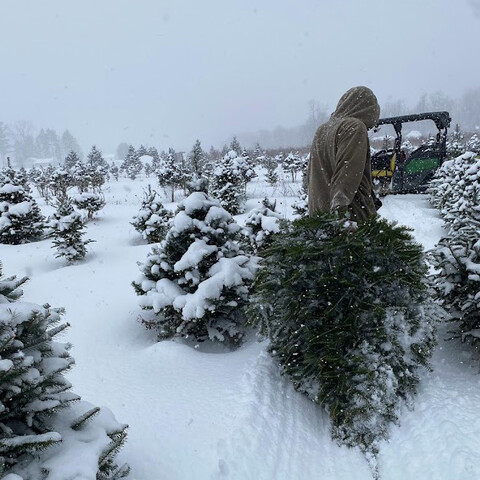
455 190
21 220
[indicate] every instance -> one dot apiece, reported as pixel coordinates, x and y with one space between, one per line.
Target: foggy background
164 73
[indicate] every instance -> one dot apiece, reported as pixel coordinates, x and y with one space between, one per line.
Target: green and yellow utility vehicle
394 171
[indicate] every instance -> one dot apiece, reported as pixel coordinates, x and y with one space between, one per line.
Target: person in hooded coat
339 172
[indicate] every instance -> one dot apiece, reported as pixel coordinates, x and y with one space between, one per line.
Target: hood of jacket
359 103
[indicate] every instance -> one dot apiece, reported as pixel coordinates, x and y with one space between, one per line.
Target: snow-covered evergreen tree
98 169
260 226
82 175
196 282
71 160
271 174
114 171
41 421
455 190
349 319
153 219
197 159
226 183
169 172
21 177
236 147
259 155
292 164
473 144
67 230
407 146
246 168
148 169
131 165
456 143
20 217
457 281
90 202
134 167
60 182
141 151
153 152
300 206
41 179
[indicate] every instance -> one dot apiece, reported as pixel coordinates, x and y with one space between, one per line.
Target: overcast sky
165 72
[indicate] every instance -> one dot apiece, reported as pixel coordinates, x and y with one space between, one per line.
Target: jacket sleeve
350 158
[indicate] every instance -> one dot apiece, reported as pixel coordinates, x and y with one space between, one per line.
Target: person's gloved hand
342 213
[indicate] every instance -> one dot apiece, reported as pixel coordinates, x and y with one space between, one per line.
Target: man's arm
352 147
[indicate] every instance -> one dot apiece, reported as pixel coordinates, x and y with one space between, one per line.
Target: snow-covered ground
205 415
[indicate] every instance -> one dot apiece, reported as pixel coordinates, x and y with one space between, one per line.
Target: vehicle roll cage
442 121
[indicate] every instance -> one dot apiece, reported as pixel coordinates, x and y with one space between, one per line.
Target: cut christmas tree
349 320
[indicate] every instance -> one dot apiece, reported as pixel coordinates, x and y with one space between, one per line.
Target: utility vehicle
394 171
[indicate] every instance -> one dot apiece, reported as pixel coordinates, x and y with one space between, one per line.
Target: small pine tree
197 159
349 320
41 179
456 143
292 164
60 182
38 412
82 176
148 169
71 160
153 152
258 154
260 226
236 147
226 184
141 151
114 171
246 168
300 207
169 172
455 190
21 176
130 153
132 165
134 168
153 219
473 144
20 217
271 174
90 202
97 169
457 264
67 230
195 283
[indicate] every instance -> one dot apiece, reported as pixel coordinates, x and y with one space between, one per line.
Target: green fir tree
67 231
349 319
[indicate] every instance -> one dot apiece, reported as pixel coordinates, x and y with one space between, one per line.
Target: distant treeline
20 142
464 110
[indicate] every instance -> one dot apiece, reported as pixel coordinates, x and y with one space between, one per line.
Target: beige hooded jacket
339 172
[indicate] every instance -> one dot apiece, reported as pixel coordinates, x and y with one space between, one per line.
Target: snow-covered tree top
198 201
